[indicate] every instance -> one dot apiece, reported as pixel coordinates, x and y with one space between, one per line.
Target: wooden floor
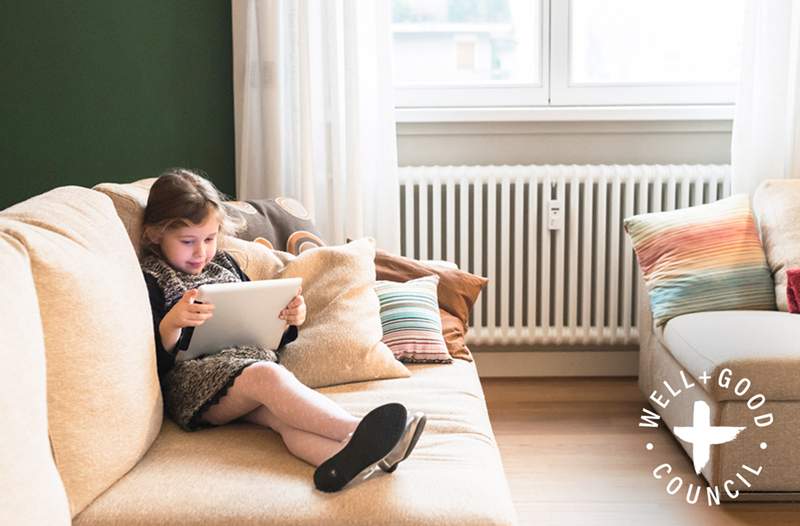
574 454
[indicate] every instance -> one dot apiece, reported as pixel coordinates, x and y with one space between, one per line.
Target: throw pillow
777 206
702 258
454 331
410 317
282 222
340 341
457 289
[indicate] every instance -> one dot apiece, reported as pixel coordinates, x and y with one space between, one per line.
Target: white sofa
761 346
85 440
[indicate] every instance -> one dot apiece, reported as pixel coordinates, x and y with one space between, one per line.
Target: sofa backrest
129 199
103 399
31 491
776 204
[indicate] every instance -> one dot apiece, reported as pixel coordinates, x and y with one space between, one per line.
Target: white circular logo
703 436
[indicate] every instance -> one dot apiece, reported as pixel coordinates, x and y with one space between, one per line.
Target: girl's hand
295 311
187 313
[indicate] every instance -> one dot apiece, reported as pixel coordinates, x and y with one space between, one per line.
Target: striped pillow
703 258
412 328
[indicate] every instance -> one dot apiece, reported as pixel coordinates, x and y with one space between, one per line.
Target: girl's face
190 248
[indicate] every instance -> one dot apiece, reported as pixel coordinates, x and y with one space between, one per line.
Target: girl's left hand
295 311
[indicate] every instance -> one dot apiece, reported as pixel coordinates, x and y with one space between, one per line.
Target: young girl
183 222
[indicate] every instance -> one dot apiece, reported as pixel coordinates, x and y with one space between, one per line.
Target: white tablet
245 313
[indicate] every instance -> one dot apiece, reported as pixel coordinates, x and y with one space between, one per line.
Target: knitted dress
192 386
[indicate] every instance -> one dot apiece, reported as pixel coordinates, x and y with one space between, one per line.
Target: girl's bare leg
312 448
292 402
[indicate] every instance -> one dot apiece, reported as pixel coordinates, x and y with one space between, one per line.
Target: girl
183 222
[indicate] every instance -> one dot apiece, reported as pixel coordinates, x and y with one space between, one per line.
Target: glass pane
655 41
466 41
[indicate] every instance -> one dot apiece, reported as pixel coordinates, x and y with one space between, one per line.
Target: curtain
314 112
766 135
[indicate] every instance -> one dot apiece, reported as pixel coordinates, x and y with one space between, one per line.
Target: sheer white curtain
766 126
315 112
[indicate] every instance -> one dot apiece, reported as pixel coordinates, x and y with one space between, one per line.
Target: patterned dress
192 386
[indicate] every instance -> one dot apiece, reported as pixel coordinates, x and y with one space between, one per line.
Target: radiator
549 238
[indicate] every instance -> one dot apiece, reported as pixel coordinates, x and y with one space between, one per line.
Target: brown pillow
454 331
457 290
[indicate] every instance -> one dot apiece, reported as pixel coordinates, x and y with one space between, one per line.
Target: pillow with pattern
702 258
412 328
283 223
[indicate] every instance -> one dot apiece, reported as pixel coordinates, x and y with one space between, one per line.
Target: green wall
113 90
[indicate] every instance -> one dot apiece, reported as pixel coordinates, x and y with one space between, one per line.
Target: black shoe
414 428
375 437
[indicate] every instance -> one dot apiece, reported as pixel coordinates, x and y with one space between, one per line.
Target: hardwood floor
574 455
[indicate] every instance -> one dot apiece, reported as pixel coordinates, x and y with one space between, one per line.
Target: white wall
627 142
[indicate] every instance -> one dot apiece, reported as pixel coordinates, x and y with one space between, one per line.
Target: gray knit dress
192 386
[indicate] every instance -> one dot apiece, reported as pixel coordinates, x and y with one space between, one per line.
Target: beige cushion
28 476
777 205
340 340
763 346
255 259
129 200
104 402
243 474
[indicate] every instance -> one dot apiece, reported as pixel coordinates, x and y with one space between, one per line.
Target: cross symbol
705 377
701 434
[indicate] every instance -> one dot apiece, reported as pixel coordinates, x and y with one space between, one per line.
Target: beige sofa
762 346
85 441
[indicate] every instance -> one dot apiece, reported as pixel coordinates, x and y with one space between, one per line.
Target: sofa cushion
702 258
243 474
28 475
457 289
129 199
777 206
457 292
763 346
103 399
412 328
283 223
340 340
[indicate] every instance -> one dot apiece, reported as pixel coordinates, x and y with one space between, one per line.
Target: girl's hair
181 197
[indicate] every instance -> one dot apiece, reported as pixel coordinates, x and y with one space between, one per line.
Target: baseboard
555 363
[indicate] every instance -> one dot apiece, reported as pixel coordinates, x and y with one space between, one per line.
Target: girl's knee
266 373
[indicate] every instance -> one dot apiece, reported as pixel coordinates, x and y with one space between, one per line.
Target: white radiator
573 284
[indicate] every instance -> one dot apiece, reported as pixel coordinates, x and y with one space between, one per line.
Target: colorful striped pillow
412 328
703 258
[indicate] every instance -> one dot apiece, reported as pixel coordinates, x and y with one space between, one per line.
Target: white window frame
556 88
437 95
565 92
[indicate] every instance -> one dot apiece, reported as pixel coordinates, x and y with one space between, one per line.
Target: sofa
762 346
86 441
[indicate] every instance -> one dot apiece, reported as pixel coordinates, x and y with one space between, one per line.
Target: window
565 52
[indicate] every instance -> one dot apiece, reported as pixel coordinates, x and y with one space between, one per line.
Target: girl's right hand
187 313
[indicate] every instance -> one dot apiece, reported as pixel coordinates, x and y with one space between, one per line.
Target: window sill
714 112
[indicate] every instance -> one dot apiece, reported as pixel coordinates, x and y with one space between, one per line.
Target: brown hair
181 197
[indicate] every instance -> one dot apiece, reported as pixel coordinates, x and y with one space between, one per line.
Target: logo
703 436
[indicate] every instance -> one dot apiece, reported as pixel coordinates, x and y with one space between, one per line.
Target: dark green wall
113 90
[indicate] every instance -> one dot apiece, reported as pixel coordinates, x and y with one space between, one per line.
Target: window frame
556 89
437 95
